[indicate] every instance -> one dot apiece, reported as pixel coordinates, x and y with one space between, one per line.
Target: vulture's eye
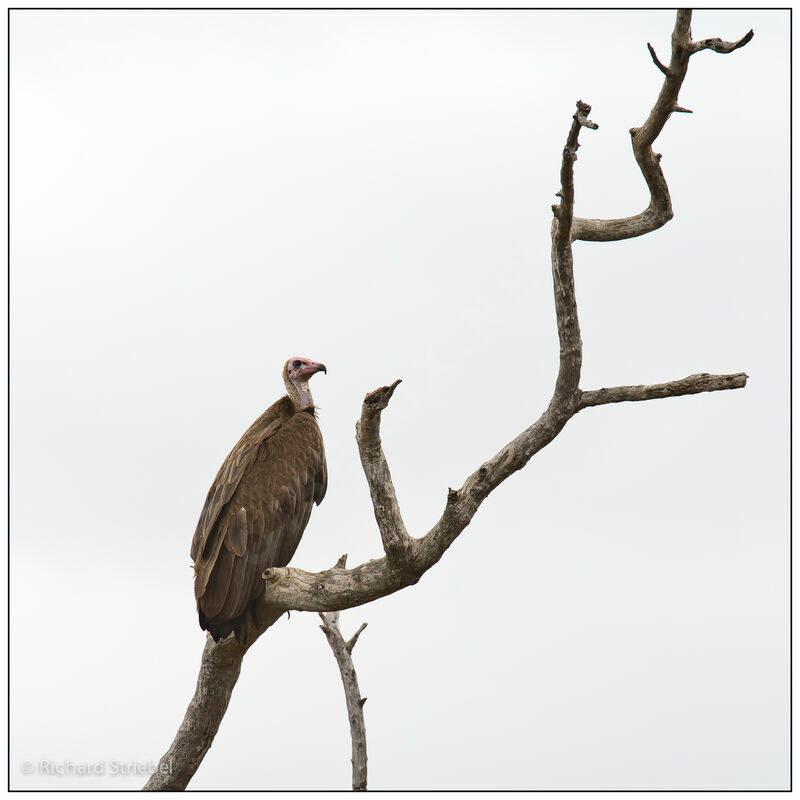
297 364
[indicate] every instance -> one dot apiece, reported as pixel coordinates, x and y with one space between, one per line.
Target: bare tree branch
342 651
659 210
353 640
694 384
393 531
653 55
219 671
718 46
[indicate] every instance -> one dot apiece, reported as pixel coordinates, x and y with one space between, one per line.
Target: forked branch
659 209
343 653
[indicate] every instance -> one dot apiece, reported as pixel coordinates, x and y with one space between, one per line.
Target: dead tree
407 558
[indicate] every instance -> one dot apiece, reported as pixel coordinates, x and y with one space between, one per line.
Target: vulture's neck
300 395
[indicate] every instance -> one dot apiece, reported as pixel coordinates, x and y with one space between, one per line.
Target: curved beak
312 369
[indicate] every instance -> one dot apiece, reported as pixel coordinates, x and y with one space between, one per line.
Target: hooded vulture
258 507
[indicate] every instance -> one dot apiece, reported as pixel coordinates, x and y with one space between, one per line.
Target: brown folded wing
255 512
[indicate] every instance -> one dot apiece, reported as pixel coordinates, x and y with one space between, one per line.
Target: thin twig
718 46
653 55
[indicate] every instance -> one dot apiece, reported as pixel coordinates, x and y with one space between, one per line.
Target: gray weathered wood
393 531
343 653
219 670
694 384
659 209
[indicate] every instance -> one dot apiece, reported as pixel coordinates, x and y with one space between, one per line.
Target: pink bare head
296 374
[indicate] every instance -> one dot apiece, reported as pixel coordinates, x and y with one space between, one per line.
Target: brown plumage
258 507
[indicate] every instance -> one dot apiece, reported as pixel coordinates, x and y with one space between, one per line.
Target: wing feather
239 532
238 596
231 472
213 598
255 556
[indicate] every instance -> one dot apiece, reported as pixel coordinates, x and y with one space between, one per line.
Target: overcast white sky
197 196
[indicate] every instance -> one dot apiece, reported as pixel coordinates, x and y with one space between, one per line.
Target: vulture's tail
246 628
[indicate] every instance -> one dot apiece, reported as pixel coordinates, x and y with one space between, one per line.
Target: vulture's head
296 374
